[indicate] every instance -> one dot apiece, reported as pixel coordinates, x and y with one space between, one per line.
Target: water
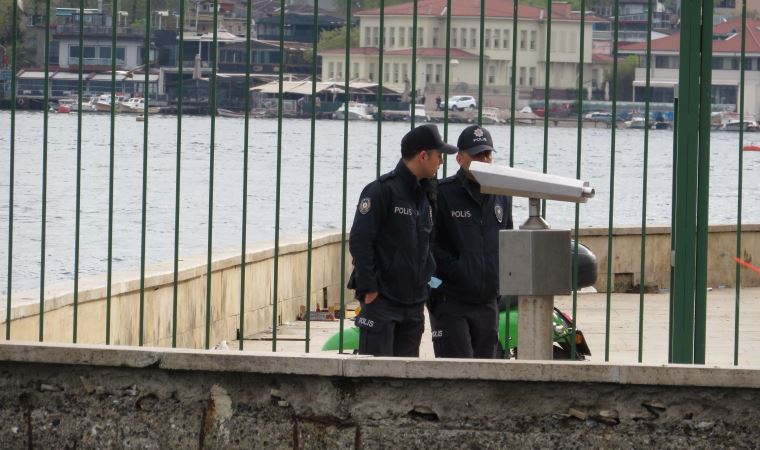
328 194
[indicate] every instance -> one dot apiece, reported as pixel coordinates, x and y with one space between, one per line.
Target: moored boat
356 111
136 105
736 125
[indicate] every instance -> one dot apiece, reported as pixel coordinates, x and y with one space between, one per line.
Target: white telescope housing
502 180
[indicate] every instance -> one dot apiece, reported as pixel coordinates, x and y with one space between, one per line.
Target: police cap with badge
475 140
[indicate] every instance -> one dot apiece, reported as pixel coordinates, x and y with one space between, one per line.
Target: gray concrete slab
357 366
591 314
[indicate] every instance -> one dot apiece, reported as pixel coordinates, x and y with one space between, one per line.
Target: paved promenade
624 328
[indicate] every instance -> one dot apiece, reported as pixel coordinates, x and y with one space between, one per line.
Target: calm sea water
328 192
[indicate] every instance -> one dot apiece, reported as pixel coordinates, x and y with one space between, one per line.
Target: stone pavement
624 328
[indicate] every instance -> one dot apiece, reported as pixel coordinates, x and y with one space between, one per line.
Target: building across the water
465 48
727 40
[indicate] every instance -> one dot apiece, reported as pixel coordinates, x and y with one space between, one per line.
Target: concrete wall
191 293
626 254
326 289
90 397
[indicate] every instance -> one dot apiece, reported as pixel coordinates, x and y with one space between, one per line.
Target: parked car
461 102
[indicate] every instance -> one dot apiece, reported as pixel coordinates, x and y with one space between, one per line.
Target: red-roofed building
465 47
727 41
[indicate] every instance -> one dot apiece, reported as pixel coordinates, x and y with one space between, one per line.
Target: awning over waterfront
105 76
304 88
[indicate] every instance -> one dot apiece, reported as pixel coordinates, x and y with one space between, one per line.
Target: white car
461 102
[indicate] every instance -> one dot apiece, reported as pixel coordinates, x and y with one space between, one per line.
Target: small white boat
103 103
356 111
420 115
637 123
221 112
490 116
136 105
736 125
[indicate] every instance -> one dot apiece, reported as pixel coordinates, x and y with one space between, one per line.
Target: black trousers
464 330
390 329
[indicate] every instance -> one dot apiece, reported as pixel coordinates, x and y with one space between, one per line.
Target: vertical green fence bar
684 267
481 57
690 196
613 129
380 61
244 226
740 187
343 232
647 98
278 181
513 100
78 206
79 172
512 112
11 170
578 155
111 164
312 151
413 96
144 211
703 179
45 136
446 80
177 170
213 50
547 94
673 224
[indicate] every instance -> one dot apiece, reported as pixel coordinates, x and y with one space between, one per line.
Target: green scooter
561 332
562 323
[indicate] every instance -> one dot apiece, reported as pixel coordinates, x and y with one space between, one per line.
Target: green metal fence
691 146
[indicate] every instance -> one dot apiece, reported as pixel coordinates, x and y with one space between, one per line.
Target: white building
727 39
465 47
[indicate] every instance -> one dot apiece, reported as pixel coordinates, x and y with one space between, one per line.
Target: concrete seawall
191 294
57 396
626 253
326 289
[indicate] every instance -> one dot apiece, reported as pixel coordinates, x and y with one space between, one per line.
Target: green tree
336 38
6 22
625 76
30 8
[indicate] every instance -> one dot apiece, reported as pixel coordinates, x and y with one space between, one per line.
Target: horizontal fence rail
228 141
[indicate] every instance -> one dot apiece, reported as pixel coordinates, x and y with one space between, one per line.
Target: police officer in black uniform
463 310
390 246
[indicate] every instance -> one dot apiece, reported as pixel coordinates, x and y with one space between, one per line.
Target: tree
26 8
6 25
625 76
336 38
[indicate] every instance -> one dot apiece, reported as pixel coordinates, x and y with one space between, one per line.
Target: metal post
535 341
691 187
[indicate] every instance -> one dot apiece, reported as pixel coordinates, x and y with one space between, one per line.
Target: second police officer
463 310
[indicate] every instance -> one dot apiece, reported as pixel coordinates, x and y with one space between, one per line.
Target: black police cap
475 139
425 137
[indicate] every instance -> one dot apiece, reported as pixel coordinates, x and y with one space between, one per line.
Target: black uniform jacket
390 238
466 242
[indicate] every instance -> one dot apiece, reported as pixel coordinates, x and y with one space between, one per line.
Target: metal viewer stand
534 261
